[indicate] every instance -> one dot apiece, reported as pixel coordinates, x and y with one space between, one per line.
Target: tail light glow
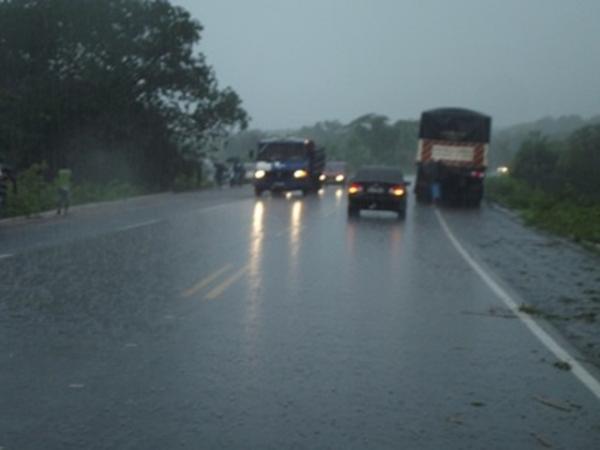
355 188
398 191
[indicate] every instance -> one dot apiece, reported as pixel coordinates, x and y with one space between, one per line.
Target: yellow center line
218 290
202 283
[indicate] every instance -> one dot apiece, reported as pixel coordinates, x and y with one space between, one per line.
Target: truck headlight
300 173
259 174
322 177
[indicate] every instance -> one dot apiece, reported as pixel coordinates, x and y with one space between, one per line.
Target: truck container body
452 153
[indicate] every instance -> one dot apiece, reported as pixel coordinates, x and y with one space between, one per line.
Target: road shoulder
558 280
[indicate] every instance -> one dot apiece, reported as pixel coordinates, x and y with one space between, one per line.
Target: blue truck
289 164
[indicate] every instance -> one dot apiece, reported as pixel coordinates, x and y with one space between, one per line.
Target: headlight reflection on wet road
295 228
255 281
256 242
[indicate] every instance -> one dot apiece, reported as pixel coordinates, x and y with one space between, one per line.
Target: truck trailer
452 152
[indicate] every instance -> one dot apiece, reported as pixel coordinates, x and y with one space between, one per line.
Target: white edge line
6 255
577 369
139 225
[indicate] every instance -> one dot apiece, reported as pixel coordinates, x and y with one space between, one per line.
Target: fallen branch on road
491 313
541 440
551 404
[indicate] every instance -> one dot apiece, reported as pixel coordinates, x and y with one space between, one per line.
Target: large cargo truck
452 152
289 164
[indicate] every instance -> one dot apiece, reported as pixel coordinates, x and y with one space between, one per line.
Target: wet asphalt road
214 320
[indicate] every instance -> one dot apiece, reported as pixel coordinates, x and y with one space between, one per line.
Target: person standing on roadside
64 190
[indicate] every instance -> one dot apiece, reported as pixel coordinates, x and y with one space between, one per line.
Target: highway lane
18 235
271 323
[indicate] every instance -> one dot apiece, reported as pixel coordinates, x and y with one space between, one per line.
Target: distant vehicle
289 164
377 188
335 172
453 147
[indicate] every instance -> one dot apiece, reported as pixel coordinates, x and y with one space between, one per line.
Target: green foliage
565 213
507 141
114 190
33 195
509 192
555 184
580 165
112 89
536 163
568 218
187 182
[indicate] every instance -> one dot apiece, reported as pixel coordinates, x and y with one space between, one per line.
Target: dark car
377 188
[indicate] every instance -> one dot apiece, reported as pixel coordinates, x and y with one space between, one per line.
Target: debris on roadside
530 309
562 365
589 317
541 440
492 312
552 404
456 419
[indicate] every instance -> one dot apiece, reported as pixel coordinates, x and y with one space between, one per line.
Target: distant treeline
507 141
112 89
556 183
375 139
568 167
369 139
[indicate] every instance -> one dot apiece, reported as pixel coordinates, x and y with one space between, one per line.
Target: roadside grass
36 194
563 214
531 310
90 192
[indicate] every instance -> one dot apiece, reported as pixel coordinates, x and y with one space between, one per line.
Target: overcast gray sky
295 62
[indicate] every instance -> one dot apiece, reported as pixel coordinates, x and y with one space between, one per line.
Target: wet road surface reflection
320 333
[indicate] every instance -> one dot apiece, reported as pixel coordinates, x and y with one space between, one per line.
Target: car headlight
259 174
339 178
300 173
